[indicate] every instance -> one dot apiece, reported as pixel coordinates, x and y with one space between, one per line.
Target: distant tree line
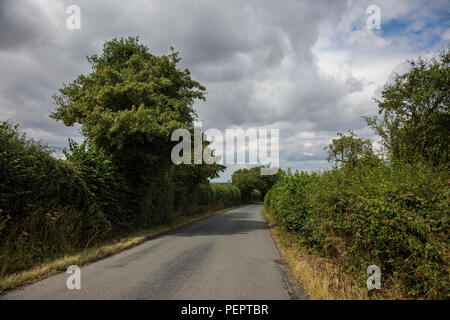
252 184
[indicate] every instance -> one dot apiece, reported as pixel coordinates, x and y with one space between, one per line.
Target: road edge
293 287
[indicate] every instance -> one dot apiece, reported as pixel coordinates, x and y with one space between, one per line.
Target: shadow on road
239 221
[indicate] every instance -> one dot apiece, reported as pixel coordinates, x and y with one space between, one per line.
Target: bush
104 182
256 195
249 180
213 196
46 207
228 194
128 107
394 216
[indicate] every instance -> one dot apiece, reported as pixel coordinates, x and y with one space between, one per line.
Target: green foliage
107 186
415 108
290 192
130 103
46 206
128 107
247 180
212 196
349 150
256 195
226 194
51 207
121 177
187 177
393 216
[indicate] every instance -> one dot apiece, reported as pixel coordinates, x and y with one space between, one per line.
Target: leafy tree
415 112
130 103
348 150
267 181
128 106
248 180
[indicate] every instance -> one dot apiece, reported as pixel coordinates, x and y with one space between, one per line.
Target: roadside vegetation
121 179
119 187
252 184
101 249
388 208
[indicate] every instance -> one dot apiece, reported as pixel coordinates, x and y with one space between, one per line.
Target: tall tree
130 103
128 106
415 112
348 150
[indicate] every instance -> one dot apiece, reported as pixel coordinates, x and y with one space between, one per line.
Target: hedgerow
46 207
122 178
52 207
394 216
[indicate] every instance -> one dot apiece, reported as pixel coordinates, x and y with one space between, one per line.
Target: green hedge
212 196
228 194
46 208
51 207
256 195
393 216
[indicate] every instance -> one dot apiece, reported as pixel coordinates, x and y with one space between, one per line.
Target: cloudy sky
307 68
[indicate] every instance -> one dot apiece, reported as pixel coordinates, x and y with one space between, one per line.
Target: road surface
229 255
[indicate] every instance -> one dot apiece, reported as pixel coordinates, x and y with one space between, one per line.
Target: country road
226 256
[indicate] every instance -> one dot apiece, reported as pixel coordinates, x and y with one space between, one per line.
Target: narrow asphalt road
226 256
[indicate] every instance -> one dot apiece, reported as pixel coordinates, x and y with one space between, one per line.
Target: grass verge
95 253
319 277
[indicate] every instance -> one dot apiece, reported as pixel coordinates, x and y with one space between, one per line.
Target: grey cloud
254 57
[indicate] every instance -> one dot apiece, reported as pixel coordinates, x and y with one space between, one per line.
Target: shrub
394 216
104 182
213 196
46 206
256 195
228 194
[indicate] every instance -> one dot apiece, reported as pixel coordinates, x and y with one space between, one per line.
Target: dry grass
319 277
95 253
